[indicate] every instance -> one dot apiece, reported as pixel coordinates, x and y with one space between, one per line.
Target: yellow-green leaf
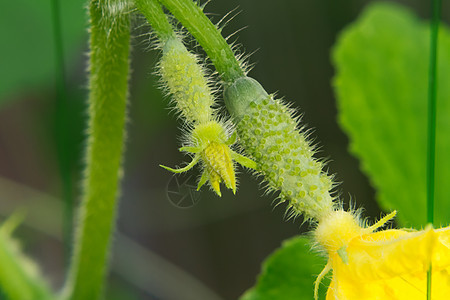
381 86
289 273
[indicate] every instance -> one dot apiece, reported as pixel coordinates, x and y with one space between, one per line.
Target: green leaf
289 273
381 87
19 275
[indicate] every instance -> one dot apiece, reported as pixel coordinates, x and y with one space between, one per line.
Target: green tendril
431 143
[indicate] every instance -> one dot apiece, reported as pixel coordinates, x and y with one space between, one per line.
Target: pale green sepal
342 252
243 160
181 170
203 180
232 139
190 149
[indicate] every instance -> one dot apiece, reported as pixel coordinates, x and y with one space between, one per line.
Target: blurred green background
220 242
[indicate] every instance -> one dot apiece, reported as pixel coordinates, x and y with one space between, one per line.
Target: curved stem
154 14
108 89
208 36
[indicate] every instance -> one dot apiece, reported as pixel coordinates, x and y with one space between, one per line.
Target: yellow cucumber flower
388 264
210 145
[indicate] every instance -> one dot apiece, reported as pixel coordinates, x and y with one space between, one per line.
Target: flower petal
393 264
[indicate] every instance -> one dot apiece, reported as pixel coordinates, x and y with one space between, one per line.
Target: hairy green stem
108 90
208 36
154 14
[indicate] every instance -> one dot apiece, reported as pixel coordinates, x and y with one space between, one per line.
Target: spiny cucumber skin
268 133
206 136
184 78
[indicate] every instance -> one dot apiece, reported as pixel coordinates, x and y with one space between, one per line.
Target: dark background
219 241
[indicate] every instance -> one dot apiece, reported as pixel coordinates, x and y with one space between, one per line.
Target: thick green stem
108 85
208 36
